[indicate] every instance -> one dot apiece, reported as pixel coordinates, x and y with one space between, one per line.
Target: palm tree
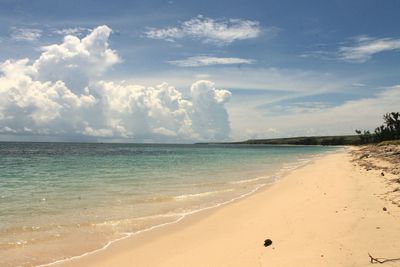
393 124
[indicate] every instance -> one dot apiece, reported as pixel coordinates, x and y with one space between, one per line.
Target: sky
188 71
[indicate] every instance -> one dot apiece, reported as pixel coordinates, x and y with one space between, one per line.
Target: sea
65 200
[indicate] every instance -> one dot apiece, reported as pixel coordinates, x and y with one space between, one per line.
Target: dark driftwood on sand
381 260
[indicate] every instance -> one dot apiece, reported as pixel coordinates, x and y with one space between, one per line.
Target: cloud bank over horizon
62 93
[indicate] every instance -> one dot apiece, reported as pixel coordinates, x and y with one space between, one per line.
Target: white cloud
77 61
216 31
26 103
72 31
365 113
144 112
359 50
61 93
209 116
365 47
326 55
278 79
297 108
25 34
207 61
358 84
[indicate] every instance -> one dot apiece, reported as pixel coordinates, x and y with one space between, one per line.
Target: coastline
203 211
325 213
223 176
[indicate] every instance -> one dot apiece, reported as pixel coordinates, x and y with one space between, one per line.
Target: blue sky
290 67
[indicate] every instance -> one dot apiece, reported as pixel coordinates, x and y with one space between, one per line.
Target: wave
180 216
250 180
130 220
151 199
188 196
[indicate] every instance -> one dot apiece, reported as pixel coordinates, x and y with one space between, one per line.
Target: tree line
389 130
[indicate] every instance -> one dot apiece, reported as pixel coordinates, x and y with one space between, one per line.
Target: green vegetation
308 140
392 142
388 133
389 130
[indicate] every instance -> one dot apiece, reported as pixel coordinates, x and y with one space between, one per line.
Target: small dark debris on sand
267 242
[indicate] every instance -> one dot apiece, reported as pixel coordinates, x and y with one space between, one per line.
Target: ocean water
62 200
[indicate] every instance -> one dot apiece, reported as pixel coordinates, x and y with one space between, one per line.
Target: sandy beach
331 212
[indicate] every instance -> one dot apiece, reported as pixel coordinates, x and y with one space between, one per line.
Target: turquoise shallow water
59 200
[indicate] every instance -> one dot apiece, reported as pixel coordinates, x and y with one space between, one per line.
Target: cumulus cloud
28 105
208 30
209 117
61 93
133 110
77 61
207 61
25 34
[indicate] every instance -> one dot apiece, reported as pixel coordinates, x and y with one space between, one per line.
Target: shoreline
203 233
130 235
199 212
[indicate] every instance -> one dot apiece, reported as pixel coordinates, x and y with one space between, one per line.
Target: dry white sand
328 213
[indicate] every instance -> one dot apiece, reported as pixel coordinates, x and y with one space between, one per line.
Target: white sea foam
203 194
250 180
180 216
118 222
